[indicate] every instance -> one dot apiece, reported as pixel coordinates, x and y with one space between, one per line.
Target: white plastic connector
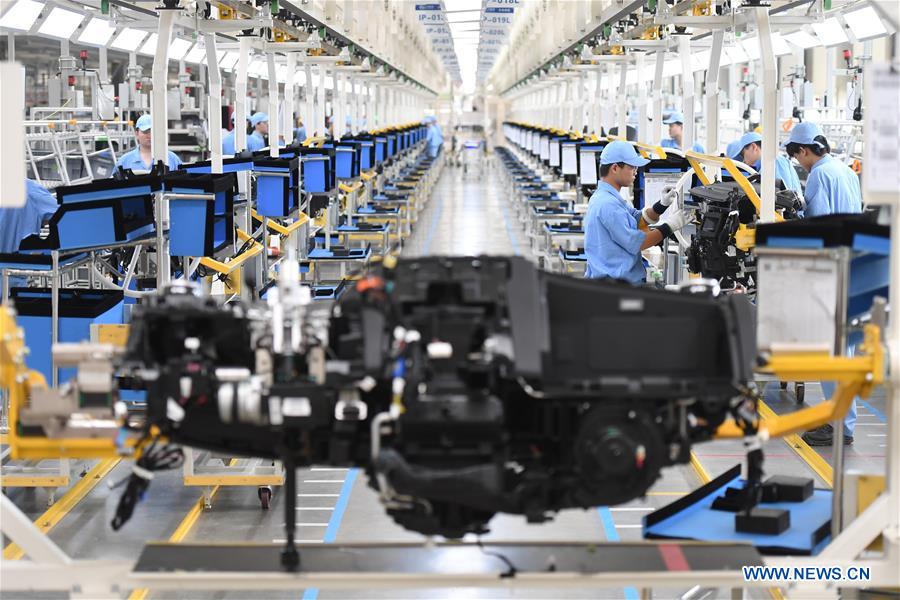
439 350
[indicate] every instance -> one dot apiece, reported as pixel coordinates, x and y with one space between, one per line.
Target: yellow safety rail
855 376
229 267
283 230
349 189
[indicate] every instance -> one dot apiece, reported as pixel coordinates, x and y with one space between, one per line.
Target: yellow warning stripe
64 505
812 458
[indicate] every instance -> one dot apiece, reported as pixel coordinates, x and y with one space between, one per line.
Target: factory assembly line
500 298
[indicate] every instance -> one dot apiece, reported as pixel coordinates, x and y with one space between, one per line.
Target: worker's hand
646 215
670 193
676 219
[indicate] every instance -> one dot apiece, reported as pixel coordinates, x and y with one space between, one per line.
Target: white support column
240 100
712 93
769 117
357 124
320 101
160 76
656 127
214 118
340 94
309 119
643 130
289 90
273 105
621 107
687 91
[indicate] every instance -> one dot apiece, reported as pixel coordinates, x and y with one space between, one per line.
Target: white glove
670 193
676 219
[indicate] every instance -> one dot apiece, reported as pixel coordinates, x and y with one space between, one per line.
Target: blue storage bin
317 169
78 309
201 227
380 149
277 195
346 163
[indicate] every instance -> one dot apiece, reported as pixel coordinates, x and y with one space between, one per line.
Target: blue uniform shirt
671 143
18 223
612 240
228 143
832 187
434 140
132 160
785 172
300 133
255 141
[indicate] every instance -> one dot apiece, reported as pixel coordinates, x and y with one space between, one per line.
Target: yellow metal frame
231 266
696 161
281 230
349 189
368 175
855 376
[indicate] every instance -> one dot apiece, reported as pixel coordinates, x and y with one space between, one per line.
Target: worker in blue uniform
348 125
749 152
434 138
613 237
831 188
675 121
257 139
300 131
228 147
18 223
141 158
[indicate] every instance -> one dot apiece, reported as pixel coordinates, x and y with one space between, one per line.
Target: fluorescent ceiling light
178 48
779 45
149 46
865 23
61 23
197 55
736 54
97 32
802 39
457 5
751 48
229 61
461 17
830 32
463 27
21 15
129 39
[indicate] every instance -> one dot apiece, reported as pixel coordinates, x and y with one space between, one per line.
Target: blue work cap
144 123
258 118
624 152
734 149
805 133
749 138
675 117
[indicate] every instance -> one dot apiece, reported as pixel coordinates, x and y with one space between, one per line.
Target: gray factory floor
467 215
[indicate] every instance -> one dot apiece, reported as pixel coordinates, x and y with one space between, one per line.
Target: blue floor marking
881 416
609 530
334 523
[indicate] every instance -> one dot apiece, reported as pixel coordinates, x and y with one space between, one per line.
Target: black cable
511 569
153 458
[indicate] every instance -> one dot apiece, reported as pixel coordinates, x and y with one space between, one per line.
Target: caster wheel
800 392
265 497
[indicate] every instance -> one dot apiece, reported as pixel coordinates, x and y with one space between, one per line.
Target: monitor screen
569 159
655 183
588 167
545 147
554 153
